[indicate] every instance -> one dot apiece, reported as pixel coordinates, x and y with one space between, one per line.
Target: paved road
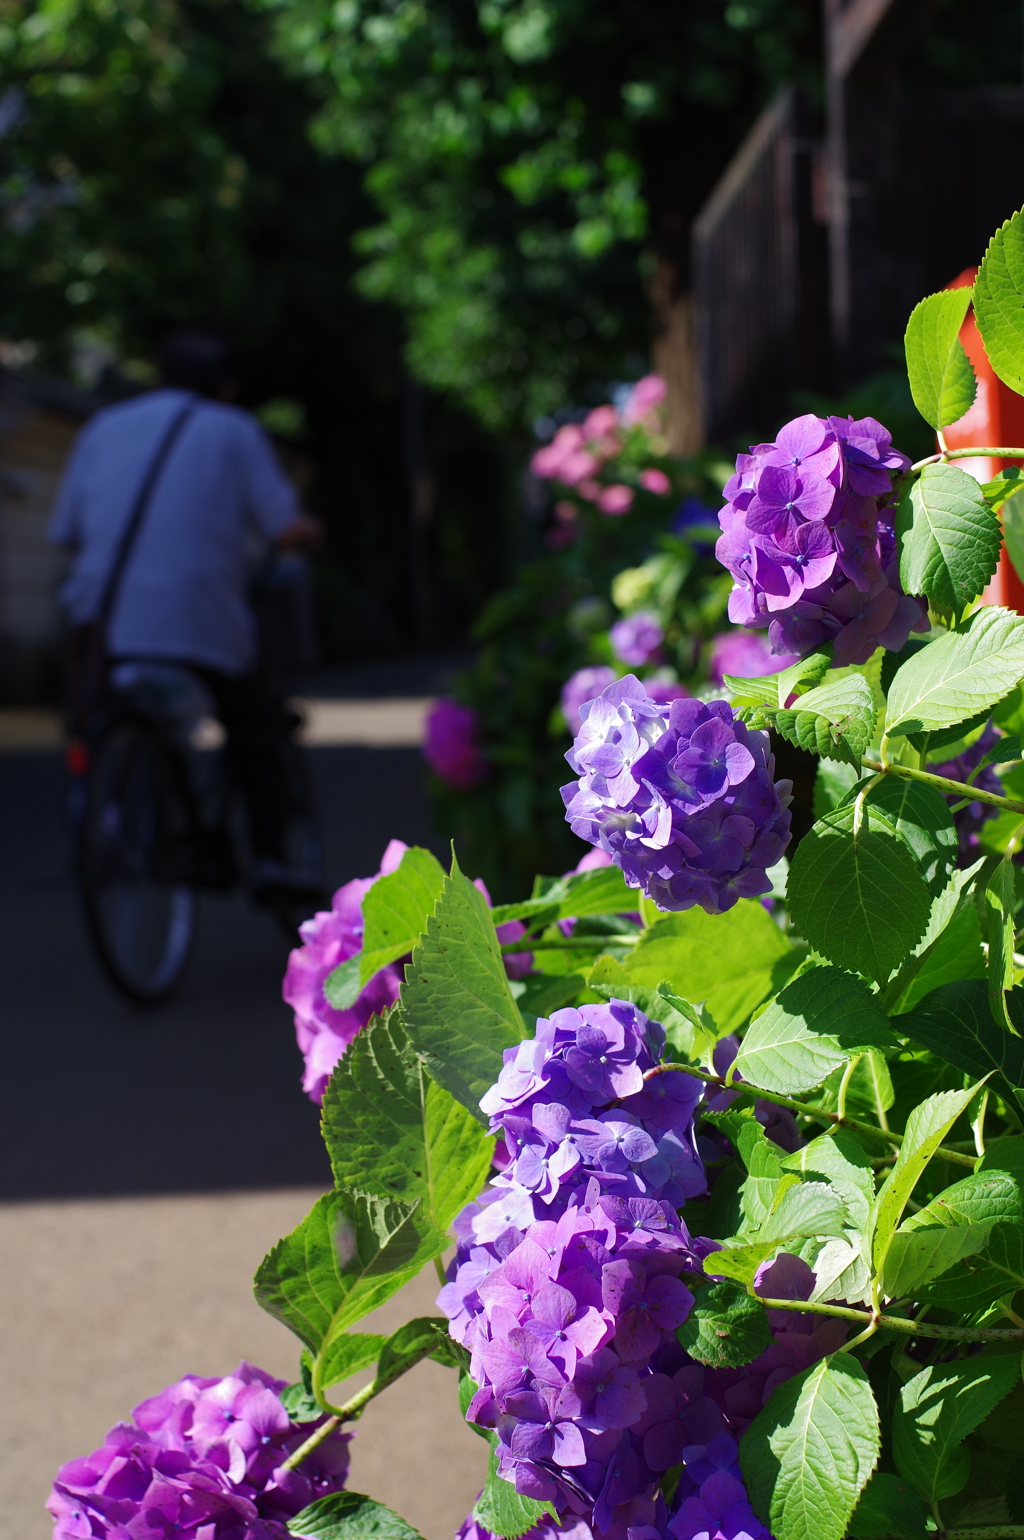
148 1159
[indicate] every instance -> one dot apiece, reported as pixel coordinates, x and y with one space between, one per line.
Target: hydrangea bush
728 1148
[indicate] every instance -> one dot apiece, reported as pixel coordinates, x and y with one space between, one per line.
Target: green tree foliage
529 160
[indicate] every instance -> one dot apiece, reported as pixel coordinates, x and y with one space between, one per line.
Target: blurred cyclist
181 597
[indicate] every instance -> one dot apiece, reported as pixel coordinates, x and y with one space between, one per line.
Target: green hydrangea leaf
416 1340
889 1509
955 1022
859 899
456 1002
727 962
959 675
392 1131
350 1254
926 1128
835 720
921 818
602 891
949 537
350 1516
809 1453
395 914
725 1328
937 1409
810 1028
942 381
999 302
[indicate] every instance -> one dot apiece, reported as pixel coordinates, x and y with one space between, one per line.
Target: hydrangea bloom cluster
682 797
582 687
637 638
581 453
329 938
808 535
451 746
203 1458
567 1280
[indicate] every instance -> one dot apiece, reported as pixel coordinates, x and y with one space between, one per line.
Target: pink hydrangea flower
451 748
616 499
646 394
655 481
329 938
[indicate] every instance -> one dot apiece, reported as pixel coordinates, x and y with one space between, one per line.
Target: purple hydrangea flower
203 1458
746 654
329 938
451 746
583 686
681 797
637 638
808 535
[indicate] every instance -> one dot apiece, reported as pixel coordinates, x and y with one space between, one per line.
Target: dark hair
194 360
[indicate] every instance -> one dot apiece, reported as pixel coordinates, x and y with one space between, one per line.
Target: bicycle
152 805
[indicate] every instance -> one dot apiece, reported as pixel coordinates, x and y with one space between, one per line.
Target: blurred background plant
628 584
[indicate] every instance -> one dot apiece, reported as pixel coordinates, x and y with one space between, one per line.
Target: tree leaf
926 1128
859 899
725 1328
456 1001
835 720
808 1454
955 1022
959 675
728 962
350 1516
349 1254
949 537
501 1509
349 1352
942 381
921 818
405 1348
811 1027
937 1409
602 891
392 1131
999 303
889 1509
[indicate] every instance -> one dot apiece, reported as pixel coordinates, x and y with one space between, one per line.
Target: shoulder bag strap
139 507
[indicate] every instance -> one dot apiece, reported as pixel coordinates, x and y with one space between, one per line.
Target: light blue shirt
221 489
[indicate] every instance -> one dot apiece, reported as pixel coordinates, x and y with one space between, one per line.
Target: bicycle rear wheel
137 832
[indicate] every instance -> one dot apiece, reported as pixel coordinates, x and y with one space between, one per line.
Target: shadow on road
99 1097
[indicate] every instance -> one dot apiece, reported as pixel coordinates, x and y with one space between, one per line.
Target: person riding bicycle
181 594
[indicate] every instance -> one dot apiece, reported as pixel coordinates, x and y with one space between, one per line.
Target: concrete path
148 1159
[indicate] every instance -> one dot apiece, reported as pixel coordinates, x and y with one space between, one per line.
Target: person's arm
273 500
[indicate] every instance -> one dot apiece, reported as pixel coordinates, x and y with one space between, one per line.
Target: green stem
590 943
985 1532
968 454
323 1431
942 783
885 1135
844 1086
897 1322
439 1269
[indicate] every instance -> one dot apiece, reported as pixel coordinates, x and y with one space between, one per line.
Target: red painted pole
997 417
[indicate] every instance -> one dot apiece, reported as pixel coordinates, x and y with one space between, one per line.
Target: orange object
997 417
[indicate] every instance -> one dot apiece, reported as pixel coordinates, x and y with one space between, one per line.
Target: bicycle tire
135 839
